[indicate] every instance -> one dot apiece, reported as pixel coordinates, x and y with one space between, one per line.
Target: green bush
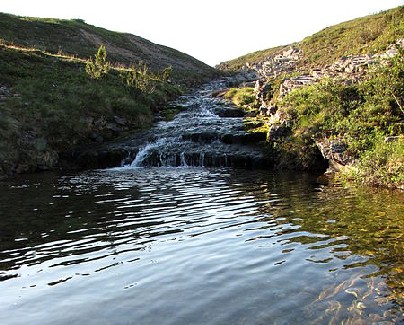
382 165
99 66
241 97
362 115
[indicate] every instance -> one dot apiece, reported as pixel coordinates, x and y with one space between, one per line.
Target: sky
210 30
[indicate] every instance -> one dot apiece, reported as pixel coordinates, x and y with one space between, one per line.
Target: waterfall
202 159
144 152
203 134
183 161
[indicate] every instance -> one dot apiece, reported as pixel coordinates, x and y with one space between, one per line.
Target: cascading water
201 136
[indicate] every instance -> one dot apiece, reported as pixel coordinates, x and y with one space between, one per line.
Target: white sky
210 30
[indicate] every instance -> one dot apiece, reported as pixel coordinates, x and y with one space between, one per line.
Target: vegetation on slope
363 119
366 118
50 104
370 34
78 39
56 95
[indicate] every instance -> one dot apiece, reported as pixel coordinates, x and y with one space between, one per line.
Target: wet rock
220 93
244 139
201 135
229 112
93 158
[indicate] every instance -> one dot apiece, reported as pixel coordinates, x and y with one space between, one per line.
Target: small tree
99 66
166 74
139 77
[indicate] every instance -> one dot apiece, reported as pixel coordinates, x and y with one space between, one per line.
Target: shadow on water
198 246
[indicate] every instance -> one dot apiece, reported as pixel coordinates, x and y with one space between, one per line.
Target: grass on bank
242 97
362 116
370 34
51 105
78 39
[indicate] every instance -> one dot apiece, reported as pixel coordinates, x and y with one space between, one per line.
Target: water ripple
215 246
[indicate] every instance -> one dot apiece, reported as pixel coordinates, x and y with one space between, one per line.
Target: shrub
382 165
362 115
99 66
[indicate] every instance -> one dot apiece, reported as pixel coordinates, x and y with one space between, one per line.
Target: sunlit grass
370 34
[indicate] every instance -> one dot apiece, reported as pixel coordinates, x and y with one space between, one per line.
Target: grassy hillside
356 117
76 38
49 103
370 34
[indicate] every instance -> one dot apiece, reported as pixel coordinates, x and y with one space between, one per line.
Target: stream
208 132
189 230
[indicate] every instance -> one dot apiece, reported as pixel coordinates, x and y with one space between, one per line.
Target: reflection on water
198 246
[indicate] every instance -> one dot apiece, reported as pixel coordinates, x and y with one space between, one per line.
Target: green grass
370 34
383 165
361 115
242 97
76 38
55 106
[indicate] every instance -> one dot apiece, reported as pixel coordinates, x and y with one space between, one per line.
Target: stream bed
180 234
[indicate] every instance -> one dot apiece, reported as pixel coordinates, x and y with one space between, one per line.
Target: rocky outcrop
283 62
335 151
349 69
296 82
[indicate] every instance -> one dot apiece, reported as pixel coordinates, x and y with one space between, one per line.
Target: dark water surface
198 246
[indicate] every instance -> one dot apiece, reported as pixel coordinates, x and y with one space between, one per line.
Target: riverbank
52 100
339 92
354 118
53 106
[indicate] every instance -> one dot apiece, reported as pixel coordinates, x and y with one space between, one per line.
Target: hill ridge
369 34
76 38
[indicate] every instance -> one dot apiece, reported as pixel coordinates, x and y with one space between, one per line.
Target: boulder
245 138
230 112
335 151
201 137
